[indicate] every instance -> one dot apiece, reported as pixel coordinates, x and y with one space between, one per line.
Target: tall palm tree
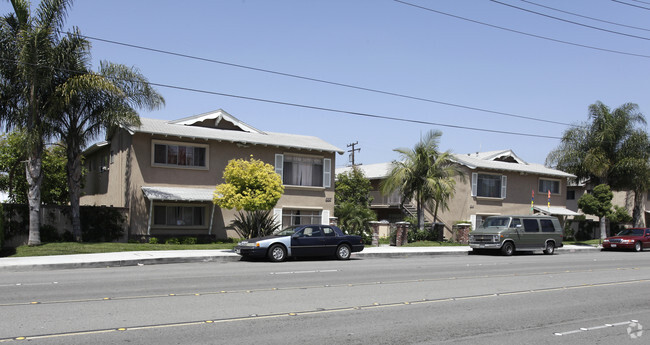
593 150
92 103
423 174
30 51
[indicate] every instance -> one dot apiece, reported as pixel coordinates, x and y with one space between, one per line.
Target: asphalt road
589 298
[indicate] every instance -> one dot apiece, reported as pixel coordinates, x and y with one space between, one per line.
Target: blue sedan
302 240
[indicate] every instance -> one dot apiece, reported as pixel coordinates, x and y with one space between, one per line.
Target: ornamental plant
251 185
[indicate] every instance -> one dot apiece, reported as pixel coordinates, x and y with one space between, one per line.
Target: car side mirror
295 236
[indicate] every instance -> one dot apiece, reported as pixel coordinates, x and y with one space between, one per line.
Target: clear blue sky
388 46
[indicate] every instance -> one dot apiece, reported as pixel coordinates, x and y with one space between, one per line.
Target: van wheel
507 249
550 248
638 246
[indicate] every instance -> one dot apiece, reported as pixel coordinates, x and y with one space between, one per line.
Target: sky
486 87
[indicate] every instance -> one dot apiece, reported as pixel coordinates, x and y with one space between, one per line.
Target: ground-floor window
179 215
297 217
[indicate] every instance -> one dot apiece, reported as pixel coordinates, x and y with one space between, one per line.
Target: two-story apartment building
495 182
165 172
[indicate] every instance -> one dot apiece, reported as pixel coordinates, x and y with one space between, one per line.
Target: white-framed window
298 217
489 185
302 170
546 185
182 155
179 216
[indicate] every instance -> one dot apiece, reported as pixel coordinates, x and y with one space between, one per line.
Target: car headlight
606 240
495 238
627 241
471 238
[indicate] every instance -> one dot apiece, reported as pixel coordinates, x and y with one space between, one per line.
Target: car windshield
286 231
493 222
631 232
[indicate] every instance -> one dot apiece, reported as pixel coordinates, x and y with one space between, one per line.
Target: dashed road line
375 305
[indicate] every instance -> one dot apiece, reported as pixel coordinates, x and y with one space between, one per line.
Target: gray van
511 233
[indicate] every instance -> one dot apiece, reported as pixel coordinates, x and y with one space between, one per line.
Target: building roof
504 160
221 126
555 211
177 193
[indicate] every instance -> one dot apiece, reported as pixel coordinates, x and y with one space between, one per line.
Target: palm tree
593 151
424 174
92 103
31 49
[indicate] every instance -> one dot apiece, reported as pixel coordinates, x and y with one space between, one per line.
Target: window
304 170
531 225
547 225
570 194
298 217
327 231
549 185
179 215
516 222
179 155
489 185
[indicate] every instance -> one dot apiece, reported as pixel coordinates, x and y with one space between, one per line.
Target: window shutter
504 180
279 164
325 217
327 174
474 183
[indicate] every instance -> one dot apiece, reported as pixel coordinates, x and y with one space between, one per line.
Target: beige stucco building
495 182
165 173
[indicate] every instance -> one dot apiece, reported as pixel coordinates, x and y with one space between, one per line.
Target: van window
531 225
547 225
515 222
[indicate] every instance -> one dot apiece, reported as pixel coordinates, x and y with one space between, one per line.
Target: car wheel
343 252
277 253
550 248
638 246
507 249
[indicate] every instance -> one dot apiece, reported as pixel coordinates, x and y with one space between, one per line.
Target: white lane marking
586 329
303 272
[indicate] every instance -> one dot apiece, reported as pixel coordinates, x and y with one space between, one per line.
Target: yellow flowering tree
252 186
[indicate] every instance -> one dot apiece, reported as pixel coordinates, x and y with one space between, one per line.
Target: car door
531 237
307 242
330 240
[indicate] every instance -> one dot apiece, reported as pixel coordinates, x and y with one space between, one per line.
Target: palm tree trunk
34 179
420 212
73 167
638 212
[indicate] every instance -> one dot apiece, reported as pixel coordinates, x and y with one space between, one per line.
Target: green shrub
101 224
67 237
49 234
249 224
173 240
153 240
189 240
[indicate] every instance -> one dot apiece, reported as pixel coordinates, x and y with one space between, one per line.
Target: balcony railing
382 200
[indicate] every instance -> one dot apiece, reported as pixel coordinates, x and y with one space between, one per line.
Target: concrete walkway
181 256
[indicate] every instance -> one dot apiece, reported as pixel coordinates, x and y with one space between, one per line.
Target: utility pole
352 151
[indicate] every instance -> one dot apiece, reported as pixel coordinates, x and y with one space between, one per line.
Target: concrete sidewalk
118 259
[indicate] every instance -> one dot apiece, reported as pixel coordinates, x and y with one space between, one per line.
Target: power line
583 16
384 117
570 21
633 5
284 74
523 33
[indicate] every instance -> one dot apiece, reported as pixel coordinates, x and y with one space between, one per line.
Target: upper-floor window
179 155
489 185
310 171
570 194
549 185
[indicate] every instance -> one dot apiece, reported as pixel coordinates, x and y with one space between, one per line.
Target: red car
637 239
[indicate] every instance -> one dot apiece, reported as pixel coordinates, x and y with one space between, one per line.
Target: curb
230 257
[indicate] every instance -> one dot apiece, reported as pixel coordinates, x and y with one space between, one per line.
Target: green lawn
64 248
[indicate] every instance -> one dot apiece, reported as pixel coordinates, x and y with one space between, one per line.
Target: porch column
375 233
402 233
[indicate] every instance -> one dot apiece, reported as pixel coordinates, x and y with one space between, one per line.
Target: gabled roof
504 160
221 126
